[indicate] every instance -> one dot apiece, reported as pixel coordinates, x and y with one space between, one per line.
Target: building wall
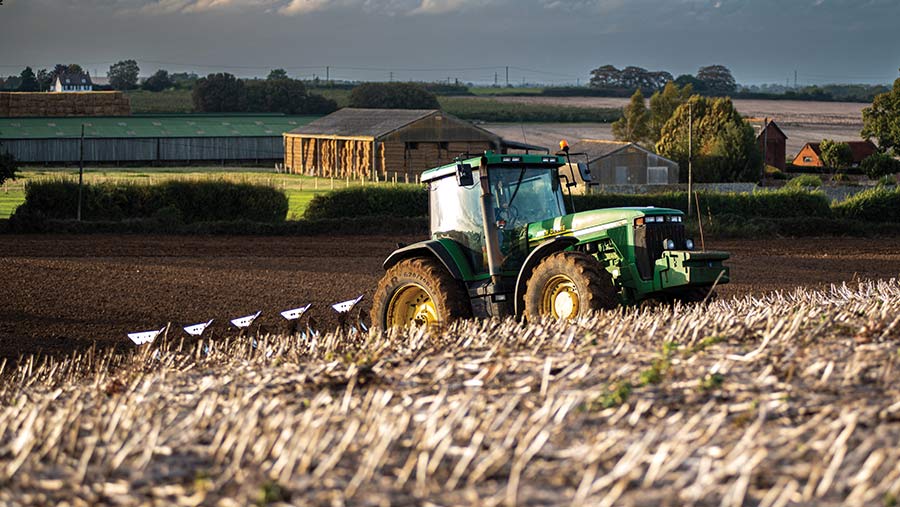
629 167
774 145
17 104
807 158
154 149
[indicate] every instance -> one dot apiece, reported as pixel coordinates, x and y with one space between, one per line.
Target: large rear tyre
419 292
568 286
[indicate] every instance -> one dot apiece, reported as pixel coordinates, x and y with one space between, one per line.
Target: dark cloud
541 40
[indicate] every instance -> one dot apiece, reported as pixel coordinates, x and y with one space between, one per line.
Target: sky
541 41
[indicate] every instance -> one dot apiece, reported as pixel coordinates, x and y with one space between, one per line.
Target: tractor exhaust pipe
491 239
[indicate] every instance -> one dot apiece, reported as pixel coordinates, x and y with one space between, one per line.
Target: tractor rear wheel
419 291
567 286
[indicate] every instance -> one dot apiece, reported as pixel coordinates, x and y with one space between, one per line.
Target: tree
219 93
124 75
689 80
881 120
393 96
606 76
879 165
717 80
184 80
632 126
277 74
724 145
158 82
29 81
837 156
7 166
663 104
45 82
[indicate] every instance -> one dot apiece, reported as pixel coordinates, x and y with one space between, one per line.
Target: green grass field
487 90
169 101
299 189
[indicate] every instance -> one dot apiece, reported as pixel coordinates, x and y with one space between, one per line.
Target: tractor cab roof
515 160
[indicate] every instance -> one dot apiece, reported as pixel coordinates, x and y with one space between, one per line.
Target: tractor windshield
524 195
521 196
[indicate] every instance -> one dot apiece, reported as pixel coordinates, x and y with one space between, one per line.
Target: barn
772 141
163 139
623 163
382 144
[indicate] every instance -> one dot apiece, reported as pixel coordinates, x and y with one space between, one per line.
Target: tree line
709 80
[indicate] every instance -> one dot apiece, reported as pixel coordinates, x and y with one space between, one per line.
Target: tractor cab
524 189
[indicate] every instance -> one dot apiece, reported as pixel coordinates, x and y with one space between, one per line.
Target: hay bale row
16 104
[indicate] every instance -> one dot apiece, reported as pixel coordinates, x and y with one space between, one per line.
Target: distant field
299 189
170 101
490 109
487 90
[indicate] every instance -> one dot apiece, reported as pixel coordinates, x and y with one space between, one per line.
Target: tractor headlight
689 244
669 244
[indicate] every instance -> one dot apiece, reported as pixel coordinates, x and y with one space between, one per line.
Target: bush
878 165
173 201
876 205
804 181
775 204
412 201
399 201
393 96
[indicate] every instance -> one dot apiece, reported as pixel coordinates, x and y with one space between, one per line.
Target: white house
73 83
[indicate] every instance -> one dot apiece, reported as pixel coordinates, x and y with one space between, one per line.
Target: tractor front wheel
418 292
567 286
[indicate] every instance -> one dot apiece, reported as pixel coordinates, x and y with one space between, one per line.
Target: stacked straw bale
18 104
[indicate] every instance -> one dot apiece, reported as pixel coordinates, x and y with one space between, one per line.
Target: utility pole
495 79
765 145
795 78
80 170
392 76
507 76
328 74
690 154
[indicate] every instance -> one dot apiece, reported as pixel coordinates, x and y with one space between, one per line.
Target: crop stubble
788 398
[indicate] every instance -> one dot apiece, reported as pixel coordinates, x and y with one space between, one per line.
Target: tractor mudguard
534 258
448 254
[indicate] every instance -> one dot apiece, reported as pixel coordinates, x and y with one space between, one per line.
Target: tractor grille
648 244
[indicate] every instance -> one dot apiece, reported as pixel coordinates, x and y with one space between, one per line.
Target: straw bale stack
17 104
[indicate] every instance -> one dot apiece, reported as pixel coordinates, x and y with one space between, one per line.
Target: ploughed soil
62 293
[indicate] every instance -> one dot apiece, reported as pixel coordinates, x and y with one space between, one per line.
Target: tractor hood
585 224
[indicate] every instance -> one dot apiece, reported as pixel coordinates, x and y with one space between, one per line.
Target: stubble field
802 121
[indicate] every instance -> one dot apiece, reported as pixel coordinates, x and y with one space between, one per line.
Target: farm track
789 399
62 293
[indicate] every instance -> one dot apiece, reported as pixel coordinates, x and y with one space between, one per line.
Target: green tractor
502 245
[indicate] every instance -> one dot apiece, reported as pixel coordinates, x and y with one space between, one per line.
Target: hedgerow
172 201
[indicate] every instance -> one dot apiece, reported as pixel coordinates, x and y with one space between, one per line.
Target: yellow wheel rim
411 305
560 298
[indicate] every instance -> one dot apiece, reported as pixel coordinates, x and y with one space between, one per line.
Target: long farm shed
156 138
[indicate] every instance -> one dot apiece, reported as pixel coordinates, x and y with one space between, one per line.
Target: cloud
302 7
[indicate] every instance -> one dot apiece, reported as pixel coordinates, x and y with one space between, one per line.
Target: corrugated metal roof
596 148
351 122
192 125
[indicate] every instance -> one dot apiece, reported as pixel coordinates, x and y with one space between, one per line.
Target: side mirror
464 176
585 172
